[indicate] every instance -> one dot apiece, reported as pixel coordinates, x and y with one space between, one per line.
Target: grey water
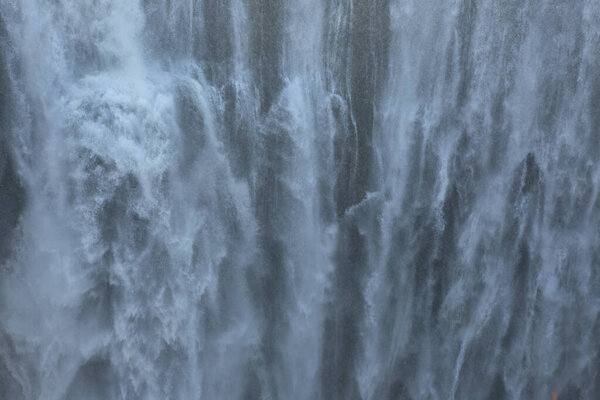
299 199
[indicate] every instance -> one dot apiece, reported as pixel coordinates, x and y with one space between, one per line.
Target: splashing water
317 199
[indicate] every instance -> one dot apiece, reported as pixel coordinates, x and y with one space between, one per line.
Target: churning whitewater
299 199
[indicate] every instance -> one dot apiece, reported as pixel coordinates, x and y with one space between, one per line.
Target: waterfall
299 199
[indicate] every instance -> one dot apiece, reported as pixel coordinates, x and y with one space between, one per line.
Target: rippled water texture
299 199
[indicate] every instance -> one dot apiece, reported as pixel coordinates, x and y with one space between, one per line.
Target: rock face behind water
318 199
12 194
12 198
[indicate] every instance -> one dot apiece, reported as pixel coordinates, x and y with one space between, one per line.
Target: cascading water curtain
299 199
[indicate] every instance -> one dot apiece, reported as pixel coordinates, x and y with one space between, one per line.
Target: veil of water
299 199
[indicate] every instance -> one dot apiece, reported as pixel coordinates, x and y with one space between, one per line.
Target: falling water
299 199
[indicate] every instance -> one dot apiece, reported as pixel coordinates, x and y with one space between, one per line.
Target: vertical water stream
316 199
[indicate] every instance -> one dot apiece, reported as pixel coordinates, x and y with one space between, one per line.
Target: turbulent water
299 199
